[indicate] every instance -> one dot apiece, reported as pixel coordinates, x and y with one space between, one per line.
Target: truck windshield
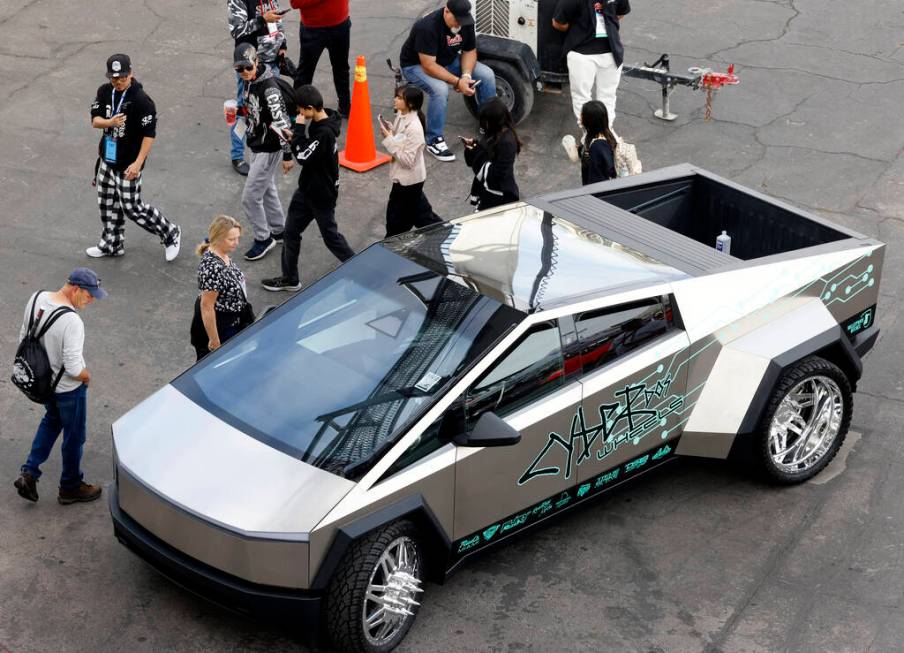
332 375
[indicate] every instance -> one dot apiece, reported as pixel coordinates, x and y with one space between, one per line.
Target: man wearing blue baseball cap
67 412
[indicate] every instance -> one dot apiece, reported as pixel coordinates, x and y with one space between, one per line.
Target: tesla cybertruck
452 387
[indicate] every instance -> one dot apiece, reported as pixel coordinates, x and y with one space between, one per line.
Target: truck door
529 388
634 378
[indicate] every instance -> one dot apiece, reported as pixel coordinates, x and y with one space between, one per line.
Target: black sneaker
440 150
240 167
27 486
278 237
281 283
259 249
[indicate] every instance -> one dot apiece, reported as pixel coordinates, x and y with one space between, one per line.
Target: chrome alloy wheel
391 591
806 424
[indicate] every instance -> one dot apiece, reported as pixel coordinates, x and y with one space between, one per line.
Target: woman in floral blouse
222 309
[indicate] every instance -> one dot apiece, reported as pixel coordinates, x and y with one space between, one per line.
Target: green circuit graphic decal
570 497
636 412
635 409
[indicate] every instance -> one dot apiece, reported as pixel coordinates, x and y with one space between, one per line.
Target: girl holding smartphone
404 139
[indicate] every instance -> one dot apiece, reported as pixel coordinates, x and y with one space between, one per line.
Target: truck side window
531 368
608 333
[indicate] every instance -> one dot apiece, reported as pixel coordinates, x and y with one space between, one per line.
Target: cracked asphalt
698 557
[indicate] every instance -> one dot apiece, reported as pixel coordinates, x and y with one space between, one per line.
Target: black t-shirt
141 121
431 36
585 32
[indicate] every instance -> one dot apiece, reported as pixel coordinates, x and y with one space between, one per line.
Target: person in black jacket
128 118
315 145
492 157
597 151
266 110
259 23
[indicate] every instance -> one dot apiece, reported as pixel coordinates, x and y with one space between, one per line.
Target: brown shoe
27 487
84 492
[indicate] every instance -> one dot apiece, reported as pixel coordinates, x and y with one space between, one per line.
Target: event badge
109 149
600 25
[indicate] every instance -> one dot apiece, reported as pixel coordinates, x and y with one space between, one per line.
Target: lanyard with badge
272 28
110 139
600 20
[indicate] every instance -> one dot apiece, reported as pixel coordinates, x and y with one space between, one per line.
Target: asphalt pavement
698 557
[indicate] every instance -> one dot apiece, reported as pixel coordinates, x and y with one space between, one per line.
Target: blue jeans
237 149
438 92
67 412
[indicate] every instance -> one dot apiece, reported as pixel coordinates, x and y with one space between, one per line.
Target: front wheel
511 87
372 600
805 422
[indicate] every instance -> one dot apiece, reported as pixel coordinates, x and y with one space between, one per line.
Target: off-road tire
511 86
345 596
812 366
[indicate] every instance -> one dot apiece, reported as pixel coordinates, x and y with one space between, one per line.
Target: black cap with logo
244 53
461 9
119 65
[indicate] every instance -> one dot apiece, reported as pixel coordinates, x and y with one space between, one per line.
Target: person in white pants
593 47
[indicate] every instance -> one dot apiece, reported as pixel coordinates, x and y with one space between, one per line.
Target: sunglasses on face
244 68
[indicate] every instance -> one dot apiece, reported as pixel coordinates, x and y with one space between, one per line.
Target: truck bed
675 215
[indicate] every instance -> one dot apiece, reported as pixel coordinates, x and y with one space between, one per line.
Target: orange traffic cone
360 153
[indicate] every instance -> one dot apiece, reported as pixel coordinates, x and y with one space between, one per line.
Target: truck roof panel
531 259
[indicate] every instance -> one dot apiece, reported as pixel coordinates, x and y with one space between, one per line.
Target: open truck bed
675 214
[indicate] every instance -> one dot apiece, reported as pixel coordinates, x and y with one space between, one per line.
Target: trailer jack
696 78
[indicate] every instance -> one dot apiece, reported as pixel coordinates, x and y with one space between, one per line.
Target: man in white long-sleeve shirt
67 412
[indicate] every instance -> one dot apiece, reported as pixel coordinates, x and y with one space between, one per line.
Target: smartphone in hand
283 12
385 123
475 84
285 135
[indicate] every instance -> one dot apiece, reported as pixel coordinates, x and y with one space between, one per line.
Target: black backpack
288 96
32 373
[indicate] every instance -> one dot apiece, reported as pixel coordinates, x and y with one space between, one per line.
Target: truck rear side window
606 334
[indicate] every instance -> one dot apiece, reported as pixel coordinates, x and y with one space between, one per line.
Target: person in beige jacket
404 139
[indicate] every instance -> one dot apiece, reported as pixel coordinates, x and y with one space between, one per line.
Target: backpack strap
31 320
53 317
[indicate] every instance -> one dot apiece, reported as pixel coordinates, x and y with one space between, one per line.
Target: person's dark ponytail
413 97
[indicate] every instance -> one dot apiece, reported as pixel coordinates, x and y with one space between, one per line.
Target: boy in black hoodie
265 109
315 145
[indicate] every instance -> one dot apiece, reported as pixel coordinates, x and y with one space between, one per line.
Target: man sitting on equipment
441 52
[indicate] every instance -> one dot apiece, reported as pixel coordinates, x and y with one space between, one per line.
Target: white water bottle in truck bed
723 243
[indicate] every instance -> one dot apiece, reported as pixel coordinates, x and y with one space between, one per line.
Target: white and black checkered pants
120 198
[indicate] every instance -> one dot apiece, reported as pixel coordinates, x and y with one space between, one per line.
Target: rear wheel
372 599
805 422
511 87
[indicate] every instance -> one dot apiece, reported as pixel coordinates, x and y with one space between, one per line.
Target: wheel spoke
384 630
376 618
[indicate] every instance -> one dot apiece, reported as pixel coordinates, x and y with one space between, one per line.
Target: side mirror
490 431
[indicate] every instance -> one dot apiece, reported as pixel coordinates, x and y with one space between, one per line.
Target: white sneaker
440 150
172 250
571 148
97 252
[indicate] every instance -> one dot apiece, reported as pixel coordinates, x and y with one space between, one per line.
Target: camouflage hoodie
246 24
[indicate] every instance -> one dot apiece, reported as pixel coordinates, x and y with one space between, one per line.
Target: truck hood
190 458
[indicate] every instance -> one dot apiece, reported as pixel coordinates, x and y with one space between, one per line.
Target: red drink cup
230 107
